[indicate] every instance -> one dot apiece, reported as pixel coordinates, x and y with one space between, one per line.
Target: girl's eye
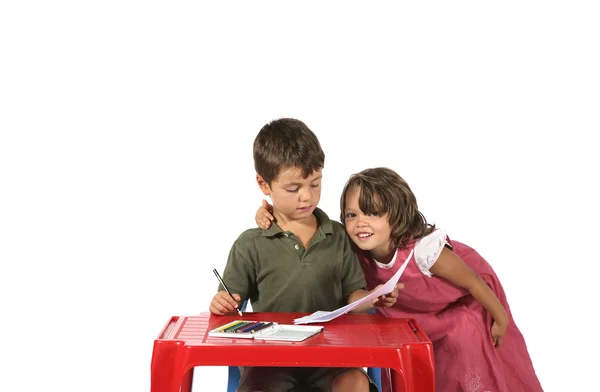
350 215
374 213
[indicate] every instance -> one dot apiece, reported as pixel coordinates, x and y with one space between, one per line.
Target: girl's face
369 232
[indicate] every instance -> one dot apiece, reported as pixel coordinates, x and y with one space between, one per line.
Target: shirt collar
322 220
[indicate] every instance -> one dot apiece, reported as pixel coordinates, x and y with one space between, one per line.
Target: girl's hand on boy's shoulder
389 299
264 215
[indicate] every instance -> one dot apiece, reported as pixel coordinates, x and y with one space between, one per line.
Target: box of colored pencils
265 330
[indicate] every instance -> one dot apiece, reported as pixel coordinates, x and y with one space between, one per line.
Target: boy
302 263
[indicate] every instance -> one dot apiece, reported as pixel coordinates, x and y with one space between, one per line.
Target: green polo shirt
272 269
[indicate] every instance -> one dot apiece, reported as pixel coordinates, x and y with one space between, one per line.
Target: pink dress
459 327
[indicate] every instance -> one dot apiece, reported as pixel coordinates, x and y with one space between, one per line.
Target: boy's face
369 232
293 196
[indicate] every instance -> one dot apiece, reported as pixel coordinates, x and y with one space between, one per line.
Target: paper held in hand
322 316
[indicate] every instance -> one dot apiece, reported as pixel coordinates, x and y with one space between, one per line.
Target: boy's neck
294 225
303 229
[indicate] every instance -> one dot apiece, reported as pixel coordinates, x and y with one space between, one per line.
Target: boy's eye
315 185
292 190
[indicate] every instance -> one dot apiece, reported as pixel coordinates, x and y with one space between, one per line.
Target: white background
126 166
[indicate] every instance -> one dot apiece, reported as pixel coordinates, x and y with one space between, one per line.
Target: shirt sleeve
239 273
428 249
353 277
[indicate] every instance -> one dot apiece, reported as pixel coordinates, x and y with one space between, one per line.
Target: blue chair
233 380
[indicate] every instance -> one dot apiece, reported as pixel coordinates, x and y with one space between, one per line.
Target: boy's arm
353 278
355 296
354 282
238 276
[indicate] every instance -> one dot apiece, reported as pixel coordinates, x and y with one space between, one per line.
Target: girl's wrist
502 319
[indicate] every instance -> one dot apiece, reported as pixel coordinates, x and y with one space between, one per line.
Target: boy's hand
389 299
222 303
264 215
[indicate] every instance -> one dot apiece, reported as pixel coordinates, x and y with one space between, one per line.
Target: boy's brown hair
283 143
384 192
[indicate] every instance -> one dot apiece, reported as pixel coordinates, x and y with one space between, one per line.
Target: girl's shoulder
434 239
428 249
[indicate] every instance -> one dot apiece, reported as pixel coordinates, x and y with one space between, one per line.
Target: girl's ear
262 184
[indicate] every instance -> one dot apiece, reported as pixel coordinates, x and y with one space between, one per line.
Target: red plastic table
351 340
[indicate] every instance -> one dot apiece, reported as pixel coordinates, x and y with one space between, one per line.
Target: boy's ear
262 184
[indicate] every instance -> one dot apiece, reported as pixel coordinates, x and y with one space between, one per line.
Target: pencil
259 327
248 327
226 289
223 328
239 327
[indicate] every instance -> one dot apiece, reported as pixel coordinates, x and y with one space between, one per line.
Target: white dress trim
391 263
388 265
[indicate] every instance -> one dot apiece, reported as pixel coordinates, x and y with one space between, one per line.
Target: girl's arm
387 300
450 267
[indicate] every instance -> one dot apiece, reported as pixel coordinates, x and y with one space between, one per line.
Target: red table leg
187 381
167 367
418 368
398 382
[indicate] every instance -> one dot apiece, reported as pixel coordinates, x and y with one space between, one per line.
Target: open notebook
264 330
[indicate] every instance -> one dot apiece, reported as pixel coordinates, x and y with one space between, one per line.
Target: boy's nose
304 196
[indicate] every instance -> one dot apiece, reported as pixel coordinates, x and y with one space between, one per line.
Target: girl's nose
361 221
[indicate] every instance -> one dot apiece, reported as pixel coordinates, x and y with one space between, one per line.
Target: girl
449 289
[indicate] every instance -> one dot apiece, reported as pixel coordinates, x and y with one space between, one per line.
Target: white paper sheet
323 316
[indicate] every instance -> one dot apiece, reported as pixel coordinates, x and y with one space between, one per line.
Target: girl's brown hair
384 192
